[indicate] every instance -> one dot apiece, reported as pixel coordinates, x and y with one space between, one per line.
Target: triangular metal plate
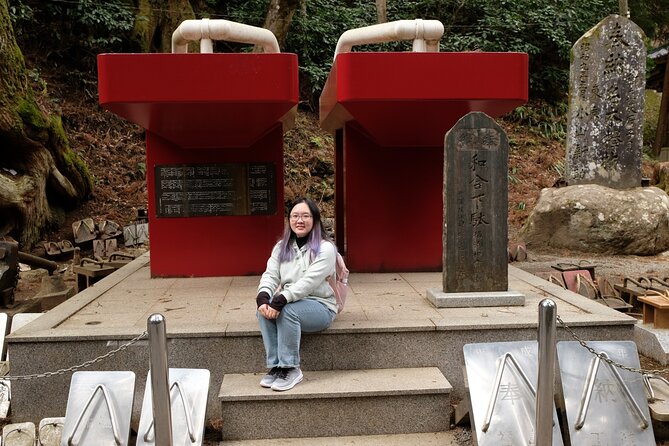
600 407
189 389
99 407
502 379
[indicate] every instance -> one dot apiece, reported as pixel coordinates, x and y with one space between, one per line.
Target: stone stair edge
444 438
339 384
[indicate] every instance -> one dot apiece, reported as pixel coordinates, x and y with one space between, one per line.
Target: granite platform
388 322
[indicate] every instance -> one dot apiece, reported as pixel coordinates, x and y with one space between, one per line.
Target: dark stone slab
475 206
606 104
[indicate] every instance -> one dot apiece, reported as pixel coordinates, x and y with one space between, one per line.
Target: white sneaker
269 379
287 379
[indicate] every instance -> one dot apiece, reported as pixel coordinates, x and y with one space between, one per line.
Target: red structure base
213 246
208 113
390 205
391 112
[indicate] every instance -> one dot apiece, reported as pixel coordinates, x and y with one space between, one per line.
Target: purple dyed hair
316 235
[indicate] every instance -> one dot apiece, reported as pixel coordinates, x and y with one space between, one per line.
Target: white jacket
299 278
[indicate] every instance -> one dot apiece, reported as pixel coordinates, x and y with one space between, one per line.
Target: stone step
444 438
337 403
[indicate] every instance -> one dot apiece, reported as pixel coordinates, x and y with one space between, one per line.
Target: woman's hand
268 312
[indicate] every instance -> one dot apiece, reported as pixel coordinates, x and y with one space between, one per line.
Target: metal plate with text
188 404
209 190
605 405
502 378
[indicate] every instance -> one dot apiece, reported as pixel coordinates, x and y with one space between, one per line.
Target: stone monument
475 259
604 209
606 104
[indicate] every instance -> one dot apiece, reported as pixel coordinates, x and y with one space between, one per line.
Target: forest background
92 163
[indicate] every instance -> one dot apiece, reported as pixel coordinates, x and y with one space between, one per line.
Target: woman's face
301 220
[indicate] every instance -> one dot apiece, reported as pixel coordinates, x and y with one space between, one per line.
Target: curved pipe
424 33
207 30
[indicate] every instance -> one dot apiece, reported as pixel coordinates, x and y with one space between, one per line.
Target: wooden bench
632 289
655 310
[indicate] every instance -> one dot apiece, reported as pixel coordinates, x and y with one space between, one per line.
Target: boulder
598 219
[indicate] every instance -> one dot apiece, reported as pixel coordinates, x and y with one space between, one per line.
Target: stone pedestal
440 299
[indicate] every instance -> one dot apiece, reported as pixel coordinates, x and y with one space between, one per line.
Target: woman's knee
289 313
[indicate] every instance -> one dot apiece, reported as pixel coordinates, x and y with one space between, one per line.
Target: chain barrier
145 334
76 367
604 357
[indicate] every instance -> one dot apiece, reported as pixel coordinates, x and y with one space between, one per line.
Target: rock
593 218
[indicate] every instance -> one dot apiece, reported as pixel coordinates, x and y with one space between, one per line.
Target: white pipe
206 30
424 33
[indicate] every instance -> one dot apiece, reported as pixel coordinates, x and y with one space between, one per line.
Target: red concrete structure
214 148
390 113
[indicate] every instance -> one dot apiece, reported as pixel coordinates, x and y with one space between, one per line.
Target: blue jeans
282 336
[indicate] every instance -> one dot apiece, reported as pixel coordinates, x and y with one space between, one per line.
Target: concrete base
441 299
357 402
448 438
652 342
211 324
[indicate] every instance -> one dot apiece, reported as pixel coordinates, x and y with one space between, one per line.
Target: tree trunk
662 132
39 172
278 18
623 8
381 11
156 21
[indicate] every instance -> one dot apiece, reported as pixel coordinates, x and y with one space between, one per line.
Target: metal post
546 378
160 390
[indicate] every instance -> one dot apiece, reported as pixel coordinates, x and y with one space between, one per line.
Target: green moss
18 57
30 114
76 164
13 64
58 132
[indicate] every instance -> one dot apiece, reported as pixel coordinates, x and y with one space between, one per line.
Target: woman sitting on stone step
294 295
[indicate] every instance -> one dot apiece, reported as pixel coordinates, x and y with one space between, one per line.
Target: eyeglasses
304 217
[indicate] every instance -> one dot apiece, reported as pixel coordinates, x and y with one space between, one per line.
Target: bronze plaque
209 190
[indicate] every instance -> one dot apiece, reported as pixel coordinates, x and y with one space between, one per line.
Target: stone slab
606 103
410 332
340 384
475 198
652 342
381 402
441 299
448 438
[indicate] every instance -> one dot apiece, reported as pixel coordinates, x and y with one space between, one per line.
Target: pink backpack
339 283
